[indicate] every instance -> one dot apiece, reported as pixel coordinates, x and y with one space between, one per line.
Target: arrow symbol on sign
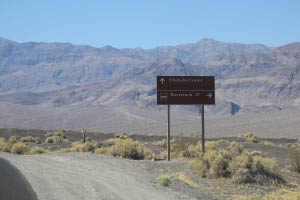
209 95
162 80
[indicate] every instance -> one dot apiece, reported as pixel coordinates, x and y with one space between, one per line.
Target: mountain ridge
249 77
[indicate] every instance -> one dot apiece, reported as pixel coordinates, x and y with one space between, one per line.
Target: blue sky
150 23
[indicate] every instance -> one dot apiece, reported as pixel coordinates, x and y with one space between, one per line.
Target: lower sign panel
185 97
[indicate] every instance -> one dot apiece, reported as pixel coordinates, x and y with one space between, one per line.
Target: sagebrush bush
37 150
282 194
4 146
29 139
127 148
19 148
195 150
121 135
250 137
103 150
294 153
182 146
238 164
2 143
83 147
199 167
13 139
163 180
54 140
57 133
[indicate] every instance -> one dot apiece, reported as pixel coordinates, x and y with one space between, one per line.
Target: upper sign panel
185 90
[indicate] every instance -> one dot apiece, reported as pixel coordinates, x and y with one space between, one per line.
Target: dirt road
72 176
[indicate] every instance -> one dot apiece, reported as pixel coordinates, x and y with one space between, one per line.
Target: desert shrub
121 136
83 147
4 146
250 137
238 164
54 140
199 167
161 143
194 151
217 144
283 194
19 148
2 143
219 166
13 139
268 163
163 180
179 145
265 142
57 133
29 139
256 153
127 148
294 153
103 150
235 149
38 150
246 168
88 139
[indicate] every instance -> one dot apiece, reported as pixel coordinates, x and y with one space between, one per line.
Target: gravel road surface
72 176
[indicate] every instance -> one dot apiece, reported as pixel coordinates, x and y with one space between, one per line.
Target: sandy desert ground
275 124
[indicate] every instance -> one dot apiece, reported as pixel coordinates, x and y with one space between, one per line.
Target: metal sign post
168 136
203 136
185 90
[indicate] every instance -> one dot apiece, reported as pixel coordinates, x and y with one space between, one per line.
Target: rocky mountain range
249 77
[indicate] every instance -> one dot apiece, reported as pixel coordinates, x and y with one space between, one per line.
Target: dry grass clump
250 137
294 152
236 163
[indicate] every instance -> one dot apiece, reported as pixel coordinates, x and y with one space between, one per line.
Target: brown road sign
185 90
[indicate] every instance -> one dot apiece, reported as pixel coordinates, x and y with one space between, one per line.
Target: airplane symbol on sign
209 95
162 80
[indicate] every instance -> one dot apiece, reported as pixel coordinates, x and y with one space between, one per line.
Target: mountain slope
249 78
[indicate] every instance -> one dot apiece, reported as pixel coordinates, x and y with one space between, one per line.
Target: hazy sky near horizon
147 24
